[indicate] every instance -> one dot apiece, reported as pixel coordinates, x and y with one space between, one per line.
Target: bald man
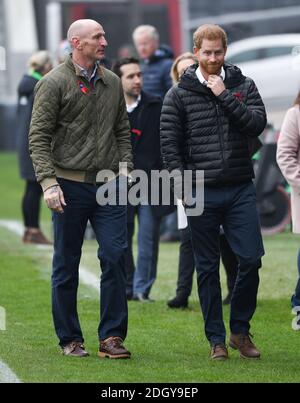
79 127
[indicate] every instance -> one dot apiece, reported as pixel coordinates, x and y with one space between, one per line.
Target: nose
213 57
103 41
137 80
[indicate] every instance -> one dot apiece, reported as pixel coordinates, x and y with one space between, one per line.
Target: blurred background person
156 63
186 266
126 51
144 117
288 158
181 63
40 63
156 60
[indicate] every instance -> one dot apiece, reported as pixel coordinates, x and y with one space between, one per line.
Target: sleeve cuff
223 95
48 183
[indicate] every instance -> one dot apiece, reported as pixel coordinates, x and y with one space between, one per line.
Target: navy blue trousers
233 207
109 224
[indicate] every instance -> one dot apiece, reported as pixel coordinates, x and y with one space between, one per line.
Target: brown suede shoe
75 349
113 348
35 237
219 352
243 343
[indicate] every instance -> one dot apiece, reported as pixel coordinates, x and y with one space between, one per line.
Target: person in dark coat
207 123
186 265
144 117
39 64
156 60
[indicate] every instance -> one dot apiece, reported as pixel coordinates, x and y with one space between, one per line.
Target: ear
195 50
76 43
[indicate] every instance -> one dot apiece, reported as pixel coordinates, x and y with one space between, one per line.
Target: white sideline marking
6 374
88 278
85 275
13 226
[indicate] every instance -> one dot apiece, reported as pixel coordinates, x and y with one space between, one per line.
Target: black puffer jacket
200 131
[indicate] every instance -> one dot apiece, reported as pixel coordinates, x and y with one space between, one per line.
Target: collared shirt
131 108
84 73
202 79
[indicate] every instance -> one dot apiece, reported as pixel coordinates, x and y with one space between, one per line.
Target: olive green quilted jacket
76 128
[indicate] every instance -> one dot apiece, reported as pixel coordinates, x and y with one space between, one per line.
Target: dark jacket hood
26 86
189 81
163 52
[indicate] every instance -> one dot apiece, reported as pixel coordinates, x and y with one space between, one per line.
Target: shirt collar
84 72
132 107
202 79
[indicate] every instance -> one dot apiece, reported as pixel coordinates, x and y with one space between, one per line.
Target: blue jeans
234 207
141 278
109 224
296 296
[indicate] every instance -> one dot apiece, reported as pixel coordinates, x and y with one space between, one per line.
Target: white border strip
13 226
87 278
6 374
85 275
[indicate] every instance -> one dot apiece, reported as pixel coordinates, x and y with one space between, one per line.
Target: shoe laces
221 346
75 344
116 341
245 339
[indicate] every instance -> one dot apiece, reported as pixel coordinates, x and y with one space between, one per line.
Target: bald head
81 29
87 39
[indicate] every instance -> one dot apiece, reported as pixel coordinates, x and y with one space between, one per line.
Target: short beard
211 69
133 95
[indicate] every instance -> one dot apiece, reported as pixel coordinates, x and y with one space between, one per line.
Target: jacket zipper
220 133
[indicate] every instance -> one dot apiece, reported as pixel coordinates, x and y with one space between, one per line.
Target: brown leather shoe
113 348
75 349
219 352
244 344
35 237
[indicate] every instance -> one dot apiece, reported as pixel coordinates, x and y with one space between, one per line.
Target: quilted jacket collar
100 71
189 80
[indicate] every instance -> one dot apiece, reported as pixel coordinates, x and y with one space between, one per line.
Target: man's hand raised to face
54 199
216 84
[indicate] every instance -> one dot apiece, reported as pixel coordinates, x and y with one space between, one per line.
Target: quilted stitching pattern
78 131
